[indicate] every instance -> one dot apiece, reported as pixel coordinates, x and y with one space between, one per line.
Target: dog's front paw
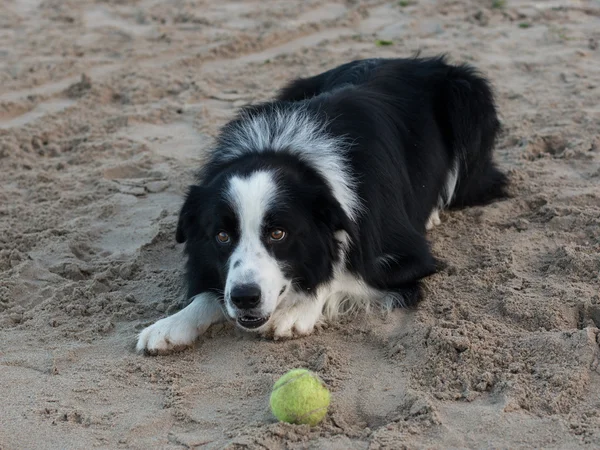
165 336
292 324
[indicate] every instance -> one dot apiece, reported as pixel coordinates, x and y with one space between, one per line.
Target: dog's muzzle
246 298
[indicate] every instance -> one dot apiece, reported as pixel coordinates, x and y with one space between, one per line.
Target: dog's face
264 234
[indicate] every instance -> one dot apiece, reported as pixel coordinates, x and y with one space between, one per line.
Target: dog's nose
246 296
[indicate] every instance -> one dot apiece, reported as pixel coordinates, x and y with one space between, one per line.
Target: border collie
317 203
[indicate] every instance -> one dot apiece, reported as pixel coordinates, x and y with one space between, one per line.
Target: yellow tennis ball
300 397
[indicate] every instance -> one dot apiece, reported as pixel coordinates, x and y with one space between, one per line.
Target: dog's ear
406 258
188 216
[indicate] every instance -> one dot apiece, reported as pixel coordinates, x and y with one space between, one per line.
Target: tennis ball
300 397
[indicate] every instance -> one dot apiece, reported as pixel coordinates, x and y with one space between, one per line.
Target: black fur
405 122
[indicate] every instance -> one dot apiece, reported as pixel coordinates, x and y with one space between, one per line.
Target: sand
106 109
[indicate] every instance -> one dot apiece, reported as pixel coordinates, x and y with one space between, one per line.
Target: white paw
167 335
295 323
182 328
434 219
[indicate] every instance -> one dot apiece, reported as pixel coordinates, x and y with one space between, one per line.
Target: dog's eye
277 235
223 237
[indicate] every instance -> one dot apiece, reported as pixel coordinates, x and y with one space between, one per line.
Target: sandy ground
106 108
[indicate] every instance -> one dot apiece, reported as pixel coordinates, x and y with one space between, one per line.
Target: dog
317 203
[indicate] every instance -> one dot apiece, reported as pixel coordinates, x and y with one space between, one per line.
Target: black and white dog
318 202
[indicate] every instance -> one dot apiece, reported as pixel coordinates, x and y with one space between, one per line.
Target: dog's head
264 231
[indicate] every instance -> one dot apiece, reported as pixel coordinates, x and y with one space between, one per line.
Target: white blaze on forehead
251 198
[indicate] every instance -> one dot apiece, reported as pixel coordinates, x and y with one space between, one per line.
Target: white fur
251 198
451 182
295 131
182 328
434 219
446 197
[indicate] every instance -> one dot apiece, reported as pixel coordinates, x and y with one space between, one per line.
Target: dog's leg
434 219
182 328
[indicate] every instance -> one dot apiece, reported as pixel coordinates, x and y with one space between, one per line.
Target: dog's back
463 103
